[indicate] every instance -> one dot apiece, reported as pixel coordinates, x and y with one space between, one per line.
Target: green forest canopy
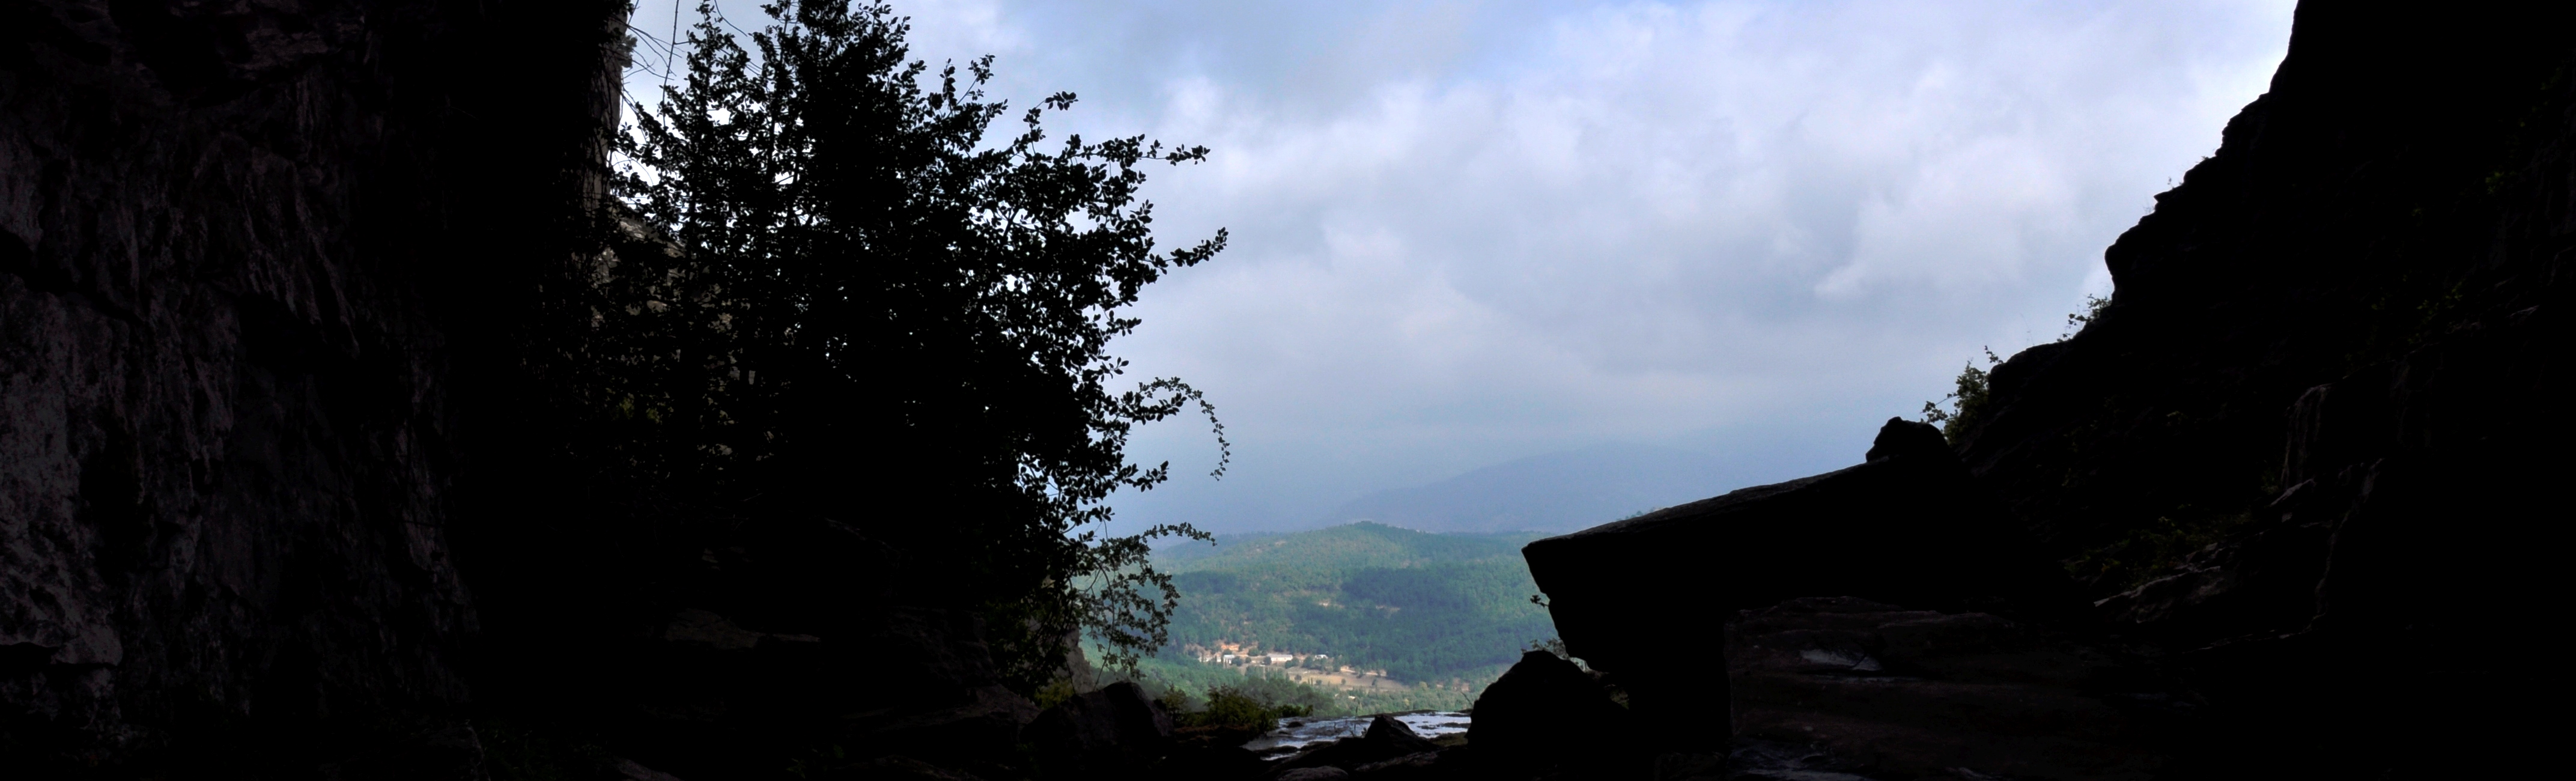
1422 607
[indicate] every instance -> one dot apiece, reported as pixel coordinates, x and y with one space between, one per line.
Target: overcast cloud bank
1468 233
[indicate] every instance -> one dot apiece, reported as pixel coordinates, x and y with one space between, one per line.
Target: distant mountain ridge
1556 492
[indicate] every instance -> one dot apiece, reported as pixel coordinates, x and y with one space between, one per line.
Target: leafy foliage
1968 400
1230 706
2076 321
859 302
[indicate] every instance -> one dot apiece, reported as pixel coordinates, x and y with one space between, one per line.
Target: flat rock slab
1867 690
1642 598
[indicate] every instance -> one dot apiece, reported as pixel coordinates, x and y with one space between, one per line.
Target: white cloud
1469 232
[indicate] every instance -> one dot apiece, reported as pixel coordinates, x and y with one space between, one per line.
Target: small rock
1387 738
1395 736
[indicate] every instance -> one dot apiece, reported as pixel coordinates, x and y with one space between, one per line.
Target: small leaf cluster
1967 401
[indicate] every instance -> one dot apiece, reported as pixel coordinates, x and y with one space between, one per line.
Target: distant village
1311 669
1251 654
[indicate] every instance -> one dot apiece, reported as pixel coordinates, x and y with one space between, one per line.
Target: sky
1469 233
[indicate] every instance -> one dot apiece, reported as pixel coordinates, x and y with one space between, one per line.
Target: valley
1362 613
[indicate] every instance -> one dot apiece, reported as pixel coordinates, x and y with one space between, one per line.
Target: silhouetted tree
869 318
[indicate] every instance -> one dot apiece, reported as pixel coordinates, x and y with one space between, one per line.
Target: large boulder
1113 731
918 682
1542 713
1642 598
1396 737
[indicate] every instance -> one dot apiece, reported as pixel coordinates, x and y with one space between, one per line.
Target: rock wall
2394 184
2309 451
248 250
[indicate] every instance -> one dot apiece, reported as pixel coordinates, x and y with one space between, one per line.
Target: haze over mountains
1562 491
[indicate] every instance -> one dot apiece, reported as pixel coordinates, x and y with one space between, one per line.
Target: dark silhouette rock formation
284 486
1386 740
249 252
2305 462
1399 737
1545 714
2309 447
273 502
1906 527
1112 732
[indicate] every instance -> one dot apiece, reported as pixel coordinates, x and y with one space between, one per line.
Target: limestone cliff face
244 249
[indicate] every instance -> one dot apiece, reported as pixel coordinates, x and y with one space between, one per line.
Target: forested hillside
1422 607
